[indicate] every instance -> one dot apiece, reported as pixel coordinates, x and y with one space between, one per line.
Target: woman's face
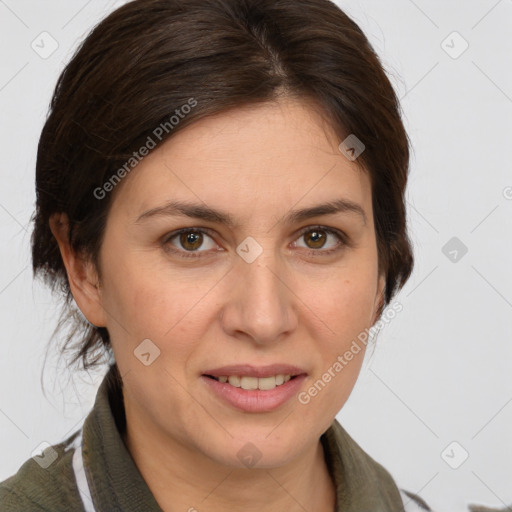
272 287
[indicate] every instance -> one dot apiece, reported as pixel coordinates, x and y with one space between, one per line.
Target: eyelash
342 237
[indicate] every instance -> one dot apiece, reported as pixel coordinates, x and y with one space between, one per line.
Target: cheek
346 306
171 311
147 300
170 308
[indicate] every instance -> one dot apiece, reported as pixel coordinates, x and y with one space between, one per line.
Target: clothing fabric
93 470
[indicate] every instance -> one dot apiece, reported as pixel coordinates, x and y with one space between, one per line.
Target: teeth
234 381
249 383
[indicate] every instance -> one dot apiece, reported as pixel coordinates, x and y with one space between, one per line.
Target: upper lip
248 370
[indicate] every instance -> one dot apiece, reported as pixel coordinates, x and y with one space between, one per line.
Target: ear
379 298
82 274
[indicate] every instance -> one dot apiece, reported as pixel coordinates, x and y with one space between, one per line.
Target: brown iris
194 238
317 237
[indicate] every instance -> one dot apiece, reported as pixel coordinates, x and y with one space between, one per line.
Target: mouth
250 383
250 377
255 388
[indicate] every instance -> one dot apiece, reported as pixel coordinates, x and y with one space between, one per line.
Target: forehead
250 158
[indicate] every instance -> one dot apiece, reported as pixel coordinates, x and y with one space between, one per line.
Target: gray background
441 370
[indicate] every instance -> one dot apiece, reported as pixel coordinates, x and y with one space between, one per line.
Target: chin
257 449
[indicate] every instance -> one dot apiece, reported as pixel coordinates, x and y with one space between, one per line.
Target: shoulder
365 478
413 503
43 483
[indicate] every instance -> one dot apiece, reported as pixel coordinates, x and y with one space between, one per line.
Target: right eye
188 240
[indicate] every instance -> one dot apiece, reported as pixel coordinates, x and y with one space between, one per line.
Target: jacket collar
115 483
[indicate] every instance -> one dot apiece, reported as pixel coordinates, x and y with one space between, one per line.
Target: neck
181 478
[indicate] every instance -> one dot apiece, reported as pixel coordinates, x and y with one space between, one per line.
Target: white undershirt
81 478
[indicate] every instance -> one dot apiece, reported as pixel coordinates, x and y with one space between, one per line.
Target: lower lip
256 400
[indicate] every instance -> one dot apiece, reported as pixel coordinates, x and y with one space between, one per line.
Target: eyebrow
199 211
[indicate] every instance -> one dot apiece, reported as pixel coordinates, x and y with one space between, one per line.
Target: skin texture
294 304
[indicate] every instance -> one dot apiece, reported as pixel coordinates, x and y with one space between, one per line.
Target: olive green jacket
93 471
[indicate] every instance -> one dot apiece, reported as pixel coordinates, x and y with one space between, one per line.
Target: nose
261 305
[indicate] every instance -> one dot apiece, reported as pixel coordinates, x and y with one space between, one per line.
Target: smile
249 383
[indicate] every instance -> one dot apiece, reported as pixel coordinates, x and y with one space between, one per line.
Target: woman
220 190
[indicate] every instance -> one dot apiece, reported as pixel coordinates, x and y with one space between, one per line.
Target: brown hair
150 57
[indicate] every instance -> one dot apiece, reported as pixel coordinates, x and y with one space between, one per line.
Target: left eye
318 236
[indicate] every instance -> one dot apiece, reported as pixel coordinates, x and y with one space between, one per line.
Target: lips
255 400
247 370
